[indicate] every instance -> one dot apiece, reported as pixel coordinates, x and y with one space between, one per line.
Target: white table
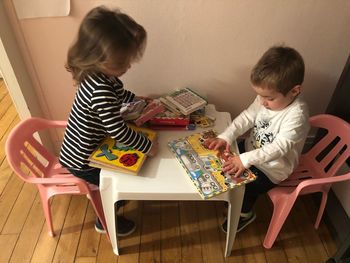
163 178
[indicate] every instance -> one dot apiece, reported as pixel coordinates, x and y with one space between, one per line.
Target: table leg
233 214
110 215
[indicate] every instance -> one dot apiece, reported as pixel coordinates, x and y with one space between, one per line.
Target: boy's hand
154 149
233 166
216 144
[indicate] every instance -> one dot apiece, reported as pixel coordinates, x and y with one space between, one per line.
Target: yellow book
119 157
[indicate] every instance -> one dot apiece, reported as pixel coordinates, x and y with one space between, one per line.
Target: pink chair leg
47 211
321 209
280 212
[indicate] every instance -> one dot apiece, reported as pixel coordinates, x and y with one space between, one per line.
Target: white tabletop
161 175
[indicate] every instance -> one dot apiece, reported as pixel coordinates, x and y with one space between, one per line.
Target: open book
119 157
204 166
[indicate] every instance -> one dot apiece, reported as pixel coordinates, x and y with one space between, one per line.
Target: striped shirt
96 114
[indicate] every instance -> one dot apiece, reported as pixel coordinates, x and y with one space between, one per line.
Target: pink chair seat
33 163
316 172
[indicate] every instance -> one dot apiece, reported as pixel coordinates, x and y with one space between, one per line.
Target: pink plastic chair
315 173
42 168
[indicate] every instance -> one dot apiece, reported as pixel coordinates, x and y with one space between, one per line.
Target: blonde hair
105 36
280 68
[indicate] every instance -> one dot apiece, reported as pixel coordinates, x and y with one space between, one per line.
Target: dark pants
261 185
92 176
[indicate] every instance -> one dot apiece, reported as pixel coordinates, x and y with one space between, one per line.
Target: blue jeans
261 185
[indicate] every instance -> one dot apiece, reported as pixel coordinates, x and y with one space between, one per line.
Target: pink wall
206 44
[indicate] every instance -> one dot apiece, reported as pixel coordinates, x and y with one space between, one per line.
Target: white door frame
12 84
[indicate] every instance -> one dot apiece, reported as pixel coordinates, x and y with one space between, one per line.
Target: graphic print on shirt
260 133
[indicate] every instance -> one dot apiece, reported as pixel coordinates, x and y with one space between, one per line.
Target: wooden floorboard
166 231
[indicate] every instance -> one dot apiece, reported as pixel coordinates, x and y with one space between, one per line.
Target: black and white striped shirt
95 114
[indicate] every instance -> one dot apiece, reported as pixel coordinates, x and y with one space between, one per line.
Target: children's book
119 157
184 100
204 166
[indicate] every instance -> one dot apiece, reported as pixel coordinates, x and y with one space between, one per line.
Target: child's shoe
244 220
99 227
125 226
121 203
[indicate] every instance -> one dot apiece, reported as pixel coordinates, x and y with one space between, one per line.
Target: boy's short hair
280 68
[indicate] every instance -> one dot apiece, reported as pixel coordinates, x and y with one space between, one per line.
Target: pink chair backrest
23 149
329 153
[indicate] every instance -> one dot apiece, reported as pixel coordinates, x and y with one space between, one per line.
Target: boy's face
274 100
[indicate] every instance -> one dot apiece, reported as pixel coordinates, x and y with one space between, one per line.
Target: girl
108 42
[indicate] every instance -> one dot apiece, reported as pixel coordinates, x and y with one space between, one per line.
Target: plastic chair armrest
319 181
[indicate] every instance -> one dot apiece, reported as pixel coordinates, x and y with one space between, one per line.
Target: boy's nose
263 102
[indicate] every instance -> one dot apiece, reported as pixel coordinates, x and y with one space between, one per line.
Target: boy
278 124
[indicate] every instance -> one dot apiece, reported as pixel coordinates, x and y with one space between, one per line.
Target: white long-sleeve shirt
276 138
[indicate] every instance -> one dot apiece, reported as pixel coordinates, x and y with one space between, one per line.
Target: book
119 157
152 109
204 166
169 118
184 101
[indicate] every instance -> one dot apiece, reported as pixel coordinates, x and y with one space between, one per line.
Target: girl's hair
280 68
105 36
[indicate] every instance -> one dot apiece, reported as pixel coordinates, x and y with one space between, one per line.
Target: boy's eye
270 99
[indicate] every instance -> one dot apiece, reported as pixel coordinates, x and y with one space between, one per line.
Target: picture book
184 101
119 157
204 166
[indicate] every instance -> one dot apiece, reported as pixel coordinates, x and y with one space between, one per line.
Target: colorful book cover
204 166
119 157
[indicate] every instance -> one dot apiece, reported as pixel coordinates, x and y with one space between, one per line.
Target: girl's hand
154 149
216 144
147 99
233 166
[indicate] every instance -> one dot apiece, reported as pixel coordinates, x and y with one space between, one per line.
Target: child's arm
216 144
107 105
242 123
233 166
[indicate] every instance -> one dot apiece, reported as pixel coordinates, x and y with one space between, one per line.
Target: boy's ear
295 91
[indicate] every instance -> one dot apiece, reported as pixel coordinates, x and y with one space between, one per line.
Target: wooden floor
167 231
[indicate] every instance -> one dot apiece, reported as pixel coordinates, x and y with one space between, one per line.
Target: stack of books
179 106
171 112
